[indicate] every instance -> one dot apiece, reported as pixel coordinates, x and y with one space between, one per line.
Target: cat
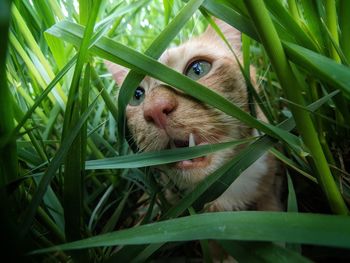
161 117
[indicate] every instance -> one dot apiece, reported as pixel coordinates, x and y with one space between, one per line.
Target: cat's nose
158 108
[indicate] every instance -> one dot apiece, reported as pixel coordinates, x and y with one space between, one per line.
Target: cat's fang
191 141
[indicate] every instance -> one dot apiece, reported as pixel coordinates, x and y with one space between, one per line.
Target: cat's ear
232 35
118 72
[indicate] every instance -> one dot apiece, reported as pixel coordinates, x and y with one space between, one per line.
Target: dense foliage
68 174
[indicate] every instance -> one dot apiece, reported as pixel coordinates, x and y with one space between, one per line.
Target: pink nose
158 108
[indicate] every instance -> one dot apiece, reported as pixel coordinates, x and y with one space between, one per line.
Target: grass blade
304 123
52 168
125 56
155 50
272 226
159 157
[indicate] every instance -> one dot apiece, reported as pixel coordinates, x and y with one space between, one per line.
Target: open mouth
199 162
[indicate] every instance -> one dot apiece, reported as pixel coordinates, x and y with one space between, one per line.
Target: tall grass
71 187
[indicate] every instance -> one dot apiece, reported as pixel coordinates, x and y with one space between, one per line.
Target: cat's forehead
180 56
175 57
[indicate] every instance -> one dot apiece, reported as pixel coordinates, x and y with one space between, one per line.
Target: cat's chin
196 163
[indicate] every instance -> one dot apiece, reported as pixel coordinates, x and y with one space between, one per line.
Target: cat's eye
138 97
198 69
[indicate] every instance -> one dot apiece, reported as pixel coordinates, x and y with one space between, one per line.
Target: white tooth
191 141
172 144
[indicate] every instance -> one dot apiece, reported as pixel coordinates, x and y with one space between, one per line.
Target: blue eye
138 97
198 69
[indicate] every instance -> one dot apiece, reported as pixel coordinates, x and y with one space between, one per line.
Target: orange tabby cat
161 117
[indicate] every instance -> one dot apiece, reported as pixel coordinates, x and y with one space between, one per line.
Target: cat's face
161 117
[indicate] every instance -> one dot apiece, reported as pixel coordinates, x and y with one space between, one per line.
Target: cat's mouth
192 140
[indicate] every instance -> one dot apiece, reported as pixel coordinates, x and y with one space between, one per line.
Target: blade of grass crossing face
160 157
241 162
203 191
218 182
155 50
123 55
304 123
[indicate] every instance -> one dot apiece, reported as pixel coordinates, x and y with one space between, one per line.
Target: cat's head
161 117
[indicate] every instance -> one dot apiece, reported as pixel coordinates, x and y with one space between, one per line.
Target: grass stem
274 49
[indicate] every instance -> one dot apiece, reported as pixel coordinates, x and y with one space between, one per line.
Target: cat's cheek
130 112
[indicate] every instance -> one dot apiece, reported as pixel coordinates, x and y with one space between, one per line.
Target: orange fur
257 184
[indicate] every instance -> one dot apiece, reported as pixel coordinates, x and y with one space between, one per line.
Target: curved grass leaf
324 68
231 16
287 21
271 226
53 167
160 157
43 95
133 78
117 53
73 181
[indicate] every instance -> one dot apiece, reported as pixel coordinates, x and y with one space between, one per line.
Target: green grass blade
344 23
159 157
52 168
271 226
155 50
305 126
125 56
312 20
168 6
73 161
43 95
332 24
232 17
289 23
8 160
12 245
324 68
33 45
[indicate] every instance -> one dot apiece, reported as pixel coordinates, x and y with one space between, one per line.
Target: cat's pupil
139 93
197 68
